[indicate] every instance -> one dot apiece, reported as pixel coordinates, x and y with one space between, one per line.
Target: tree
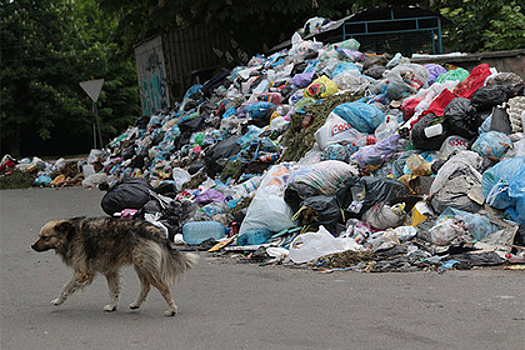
483 25
47 48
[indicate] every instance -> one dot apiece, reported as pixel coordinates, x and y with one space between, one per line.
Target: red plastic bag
475 80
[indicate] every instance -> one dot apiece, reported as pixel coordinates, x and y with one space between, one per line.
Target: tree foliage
483 25
476 25
47 48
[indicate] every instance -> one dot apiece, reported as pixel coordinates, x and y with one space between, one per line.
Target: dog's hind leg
113 279
145 288
165 292
78 281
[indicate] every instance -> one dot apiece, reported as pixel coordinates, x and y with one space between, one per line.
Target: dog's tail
164 262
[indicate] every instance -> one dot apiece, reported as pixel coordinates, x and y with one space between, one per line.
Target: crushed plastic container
196 232
255 237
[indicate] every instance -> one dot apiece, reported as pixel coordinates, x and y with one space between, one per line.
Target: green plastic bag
458 74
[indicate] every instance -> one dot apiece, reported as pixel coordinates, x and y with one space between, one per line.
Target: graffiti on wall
151 73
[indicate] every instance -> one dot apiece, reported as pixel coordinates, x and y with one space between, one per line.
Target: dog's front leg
78 281
113 279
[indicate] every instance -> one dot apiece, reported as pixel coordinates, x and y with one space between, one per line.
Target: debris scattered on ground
326 157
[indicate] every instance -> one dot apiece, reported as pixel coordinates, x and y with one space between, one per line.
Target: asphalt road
231 306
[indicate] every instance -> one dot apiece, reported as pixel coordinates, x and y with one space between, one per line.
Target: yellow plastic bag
320 88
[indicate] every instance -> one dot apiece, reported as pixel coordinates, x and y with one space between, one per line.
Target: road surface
226 305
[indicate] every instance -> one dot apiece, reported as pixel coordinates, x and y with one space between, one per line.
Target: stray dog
91 245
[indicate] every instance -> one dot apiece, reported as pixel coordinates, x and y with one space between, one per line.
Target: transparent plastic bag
337 130
312 245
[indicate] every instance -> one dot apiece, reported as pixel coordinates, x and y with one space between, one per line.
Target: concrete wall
503 61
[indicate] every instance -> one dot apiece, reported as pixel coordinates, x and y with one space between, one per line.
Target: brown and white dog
91 245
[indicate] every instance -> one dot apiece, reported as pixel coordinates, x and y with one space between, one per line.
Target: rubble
325 156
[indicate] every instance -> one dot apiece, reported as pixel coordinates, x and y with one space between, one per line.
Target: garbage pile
327 156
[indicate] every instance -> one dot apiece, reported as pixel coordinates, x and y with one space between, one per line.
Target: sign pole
97 119
92 88
94 137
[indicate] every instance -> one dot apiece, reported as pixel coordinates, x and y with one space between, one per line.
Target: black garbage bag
195 167
462 118
215 82
192 124
295 193
128 152
500 121
319 210
219 155
142 122
151 207
287 91
489 96
419 138
519 239
130 194
375 71
176 213
374 60
140 160
356 195
512 80
468 260
166 188
137 162
299 68
157 138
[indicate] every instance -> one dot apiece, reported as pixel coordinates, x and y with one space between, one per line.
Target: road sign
92 88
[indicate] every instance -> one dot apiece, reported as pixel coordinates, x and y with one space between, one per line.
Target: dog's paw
110 308
134 306
170 312
57 301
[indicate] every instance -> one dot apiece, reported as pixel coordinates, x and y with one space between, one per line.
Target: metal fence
405 35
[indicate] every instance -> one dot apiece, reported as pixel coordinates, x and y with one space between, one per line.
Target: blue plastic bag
343 67
194 92
229 112
43 180
336 152
517 214
361 116
492 145
259 110
504 184
478 226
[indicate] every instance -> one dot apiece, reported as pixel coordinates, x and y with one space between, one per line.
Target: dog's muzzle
37 248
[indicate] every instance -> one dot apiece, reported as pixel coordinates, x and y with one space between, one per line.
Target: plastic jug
254 237
196 232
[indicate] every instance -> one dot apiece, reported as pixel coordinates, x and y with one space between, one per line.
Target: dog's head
52 235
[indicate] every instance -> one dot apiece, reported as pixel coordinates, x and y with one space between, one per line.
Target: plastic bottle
247 187
196 232
418 165
269 158
434 130
254 237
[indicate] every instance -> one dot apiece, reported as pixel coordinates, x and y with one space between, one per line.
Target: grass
16 180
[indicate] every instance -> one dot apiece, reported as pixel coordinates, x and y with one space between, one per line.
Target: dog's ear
64 227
